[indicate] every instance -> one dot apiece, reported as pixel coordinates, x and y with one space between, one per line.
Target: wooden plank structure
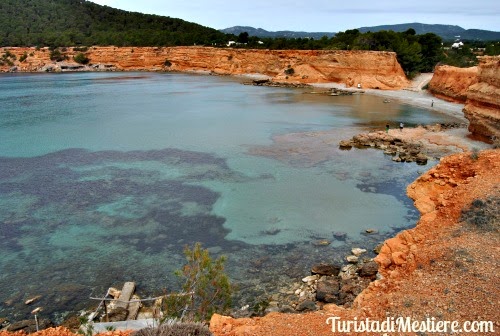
121 311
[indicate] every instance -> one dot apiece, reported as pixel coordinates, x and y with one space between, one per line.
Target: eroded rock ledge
410 144
483 100
370 69
451 83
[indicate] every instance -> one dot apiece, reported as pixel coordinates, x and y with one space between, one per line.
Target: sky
320 15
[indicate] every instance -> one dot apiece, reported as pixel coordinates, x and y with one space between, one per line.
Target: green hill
447 32
80 22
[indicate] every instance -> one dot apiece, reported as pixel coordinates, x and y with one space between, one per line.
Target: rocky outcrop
451 83
402 150
483 100
438 267
369 69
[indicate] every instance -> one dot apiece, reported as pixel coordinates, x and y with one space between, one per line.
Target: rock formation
451 83
370 69
483 100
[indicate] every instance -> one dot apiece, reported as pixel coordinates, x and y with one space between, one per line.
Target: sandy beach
409 96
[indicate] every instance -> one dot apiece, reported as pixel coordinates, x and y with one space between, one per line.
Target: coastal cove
106 176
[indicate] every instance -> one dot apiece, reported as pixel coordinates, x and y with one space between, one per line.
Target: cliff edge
370 69
451 83
483 99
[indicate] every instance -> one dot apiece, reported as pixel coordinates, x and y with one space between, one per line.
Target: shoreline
421 99
383 94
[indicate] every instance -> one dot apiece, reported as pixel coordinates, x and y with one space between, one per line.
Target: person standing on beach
386 128
432 103
401 125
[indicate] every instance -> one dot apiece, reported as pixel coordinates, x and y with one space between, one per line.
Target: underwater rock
325 269
321 242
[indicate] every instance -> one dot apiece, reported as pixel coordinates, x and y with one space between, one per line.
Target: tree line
78 22
63 23
416 53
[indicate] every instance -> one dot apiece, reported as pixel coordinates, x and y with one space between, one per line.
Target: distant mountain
447 32
259 32
80 22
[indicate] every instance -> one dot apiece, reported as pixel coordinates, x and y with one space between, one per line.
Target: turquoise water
104 177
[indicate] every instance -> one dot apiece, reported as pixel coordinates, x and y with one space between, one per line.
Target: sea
107 177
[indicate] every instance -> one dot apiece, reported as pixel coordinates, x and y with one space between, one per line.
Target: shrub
206 287
474 155
176 329
81 58
82 49
56 55
23 57
483 214
289 71
7 58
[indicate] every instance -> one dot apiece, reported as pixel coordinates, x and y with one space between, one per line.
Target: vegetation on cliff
79 22
60 23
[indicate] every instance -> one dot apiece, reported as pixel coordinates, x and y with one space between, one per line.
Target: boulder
325 269
352 259
369 270
421 159
340 235
29 326
345 144
328 289
306 305
358 251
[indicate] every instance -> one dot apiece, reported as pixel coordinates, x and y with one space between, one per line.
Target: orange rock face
368 68
451 83
483 99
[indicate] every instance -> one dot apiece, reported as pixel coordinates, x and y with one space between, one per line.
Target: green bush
176 329
7 58
81 58
206 287
23 57
289 71
56 55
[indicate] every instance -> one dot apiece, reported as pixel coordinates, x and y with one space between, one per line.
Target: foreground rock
370 69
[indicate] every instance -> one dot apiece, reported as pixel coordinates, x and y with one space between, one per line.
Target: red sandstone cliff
483 99
451 83
370 69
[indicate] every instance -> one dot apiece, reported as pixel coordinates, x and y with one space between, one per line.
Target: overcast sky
320 15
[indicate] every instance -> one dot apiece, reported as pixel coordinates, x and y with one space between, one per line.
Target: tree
243 37
431 51
81 58
409 56
206 287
